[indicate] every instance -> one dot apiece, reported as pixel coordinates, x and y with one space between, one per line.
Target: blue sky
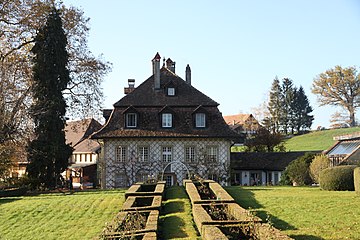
234 48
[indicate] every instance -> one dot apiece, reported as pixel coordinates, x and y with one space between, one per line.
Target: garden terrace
139 203
220 214
131 223
249 230
143 189
206 191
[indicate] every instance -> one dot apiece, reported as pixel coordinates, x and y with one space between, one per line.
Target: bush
298 170
340 178
357 180
319 163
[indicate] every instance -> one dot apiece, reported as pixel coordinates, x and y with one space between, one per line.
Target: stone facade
209 158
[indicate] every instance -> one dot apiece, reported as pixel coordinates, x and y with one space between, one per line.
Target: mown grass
316 140
176 220
304 213
81 215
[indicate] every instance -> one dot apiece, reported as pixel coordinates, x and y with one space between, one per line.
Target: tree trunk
352 116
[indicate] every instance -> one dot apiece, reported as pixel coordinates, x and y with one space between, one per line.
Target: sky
235 48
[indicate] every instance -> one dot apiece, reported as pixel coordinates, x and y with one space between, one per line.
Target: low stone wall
220 215
142 200
261 232
140 203
144 189
112 230
239 215
221 195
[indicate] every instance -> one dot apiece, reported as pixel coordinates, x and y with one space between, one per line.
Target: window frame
212 154
170 91
190 154
200 122
166 122
143 156
127 120
120 154
166 154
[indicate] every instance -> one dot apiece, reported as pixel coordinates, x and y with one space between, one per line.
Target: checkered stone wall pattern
125 161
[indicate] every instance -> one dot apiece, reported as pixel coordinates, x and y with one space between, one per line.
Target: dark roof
145 95
148 103
271 161
77 134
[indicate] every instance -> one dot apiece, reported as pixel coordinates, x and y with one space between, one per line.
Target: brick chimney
156 70
131 87
188 75
170 65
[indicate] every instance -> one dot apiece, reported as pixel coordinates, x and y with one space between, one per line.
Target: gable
146 95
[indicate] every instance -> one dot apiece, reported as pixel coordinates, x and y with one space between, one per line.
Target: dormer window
166 120
200 117
131 120
171 91
200 120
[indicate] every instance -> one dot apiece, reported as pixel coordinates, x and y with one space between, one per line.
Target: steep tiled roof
149 102
77 134
145 95
236 119
271 161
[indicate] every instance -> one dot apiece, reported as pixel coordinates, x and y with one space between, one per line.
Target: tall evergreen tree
48 153
301 109
274 106
287 93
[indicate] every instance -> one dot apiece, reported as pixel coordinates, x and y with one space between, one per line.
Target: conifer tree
301 109
274 106
287 93
48 153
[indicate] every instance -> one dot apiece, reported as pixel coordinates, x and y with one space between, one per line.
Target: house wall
84 158
255 177
122 174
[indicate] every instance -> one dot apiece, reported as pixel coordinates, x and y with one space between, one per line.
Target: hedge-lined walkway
176 220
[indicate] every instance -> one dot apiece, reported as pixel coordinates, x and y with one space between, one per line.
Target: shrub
357 180
319 163
298 170
340 178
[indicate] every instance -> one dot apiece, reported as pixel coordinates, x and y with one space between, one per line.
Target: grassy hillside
316 215
81 215
317 140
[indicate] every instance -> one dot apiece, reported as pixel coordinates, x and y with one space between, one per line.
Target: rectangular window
131 120
190 154
143 154
120 154
166 120
200 120
171 91
212 153
167 154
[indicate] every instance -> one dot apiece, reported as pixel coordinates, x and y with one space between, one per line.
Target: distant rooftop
347 136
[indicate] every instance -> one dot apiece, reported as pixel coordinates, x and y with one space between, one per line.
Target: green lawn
176 219
81 215
316 140
304 213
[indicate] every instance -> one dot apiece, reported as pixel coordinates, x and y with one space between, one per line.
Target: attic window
166 120
200 120
131 120
171 91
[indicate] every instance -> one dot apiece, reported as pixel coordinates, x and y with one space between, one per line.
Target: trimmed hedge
357 180
340 178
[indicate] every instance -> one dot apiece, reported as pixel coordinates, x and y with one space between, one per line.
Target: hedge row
357 180
340 178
